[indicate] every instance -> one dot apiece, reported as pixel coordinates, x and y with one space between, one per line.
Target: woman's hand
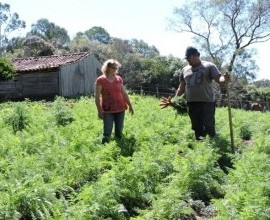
131 110
100 115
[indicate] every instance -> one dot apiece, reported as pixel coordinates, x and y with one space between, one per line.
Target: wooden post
141 90
230 116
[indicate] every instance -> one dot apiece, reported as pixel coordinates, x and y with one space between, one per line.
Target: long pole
230 116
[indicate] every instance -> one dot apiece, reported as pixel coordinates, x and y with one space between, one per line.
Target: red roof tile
46 62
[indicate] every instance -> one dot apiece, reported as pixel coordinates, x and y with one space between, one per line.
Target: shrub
245 132
62 115
19 118
7 70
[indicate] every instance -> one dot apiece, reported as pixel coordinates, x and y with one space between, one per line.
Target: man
196 83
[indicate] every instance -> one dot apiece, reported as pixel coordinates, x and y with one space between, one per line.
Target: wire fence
221 99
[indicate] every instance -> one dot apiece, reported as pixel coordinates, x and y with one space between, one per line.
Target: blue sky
141 19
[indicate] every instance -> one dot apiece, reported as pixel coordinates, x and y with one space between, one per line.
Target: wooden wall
79 78
11 89
40 84
33 85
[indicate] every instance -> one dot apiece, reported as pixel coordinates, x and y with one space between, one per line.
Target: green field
53 166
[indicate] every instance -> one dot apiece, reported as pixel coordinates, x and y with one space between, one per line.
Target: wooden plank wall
33 85
11 89
40 84
78 78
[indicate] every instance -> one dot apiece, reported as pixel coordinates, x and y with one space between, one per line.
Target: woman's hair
110 63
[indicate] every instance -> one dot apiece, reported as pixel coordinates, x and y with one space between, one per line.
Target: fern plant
19 118
62 113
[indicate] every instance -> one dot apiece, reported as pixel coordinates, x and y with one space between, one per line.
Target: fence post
141 90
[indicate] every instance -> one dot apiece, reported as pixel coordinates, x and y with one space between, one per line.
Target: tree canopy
9 22
98 34
50 32
224 29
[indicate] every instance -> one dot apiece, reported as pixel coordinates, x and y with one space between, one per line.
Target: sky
145 20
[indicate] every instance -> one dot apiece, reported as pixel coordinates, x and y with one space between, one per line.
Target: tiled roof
46 62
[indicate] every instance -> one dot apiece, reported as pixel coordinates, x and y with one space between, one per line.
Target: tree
8 23
262 83
151 73
37 46
7 70
51 33
119 48
224 28
98 34
14 43
139 46
80 43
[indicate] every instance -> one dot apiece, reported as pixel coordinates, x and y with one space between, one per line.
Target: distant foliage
7 70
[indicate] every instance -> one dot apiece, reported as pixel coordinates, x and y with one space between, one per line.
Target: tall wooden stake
230 116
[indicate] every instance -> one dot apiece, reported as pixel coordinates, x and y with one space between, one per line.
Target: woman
111 100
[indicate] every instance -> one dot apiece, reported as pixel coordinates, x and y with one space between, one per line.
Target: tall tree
119 48
51 33
80 43
34 46
224 28
9 22
98 34
141 47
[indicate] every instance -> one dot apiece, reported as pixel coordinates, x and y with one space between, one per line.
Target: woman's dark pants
108 120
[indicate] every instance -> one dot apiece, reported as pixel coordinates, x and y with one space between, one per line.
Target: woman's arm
97 100
126 97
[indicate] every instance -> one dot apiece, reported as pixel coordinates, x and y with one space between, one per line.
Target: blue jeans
108 120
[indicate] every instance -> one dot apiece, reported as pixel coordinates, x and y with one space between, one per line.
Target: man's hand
226 78
165 102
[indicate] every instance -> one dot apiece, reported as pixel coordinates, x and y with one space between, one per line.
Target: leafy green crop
55 167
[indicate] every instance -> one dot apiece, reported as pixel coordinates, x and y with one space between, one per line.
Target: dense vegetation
53 166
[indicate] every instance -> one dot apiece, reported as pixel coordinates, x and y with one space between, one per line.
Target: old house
69 75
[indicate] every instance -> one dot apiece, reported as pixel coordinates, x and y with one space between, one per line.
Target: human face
190 59
193 60
112 66
112 69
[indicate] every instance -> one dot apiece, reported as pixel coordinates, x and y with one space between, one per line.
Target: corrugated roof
46 62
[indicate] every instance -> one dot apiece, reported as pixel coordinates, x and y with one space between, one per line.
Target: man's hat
191 51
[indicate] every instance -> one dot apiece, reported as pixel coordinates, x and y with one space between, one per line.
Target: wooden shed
69 75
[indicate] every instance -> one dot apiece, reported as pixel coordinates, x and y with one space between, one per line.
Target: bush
19 118
245 132
7 70
63 115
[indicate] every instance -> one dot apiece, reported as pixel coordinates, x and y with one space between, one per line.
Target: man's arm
181 89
